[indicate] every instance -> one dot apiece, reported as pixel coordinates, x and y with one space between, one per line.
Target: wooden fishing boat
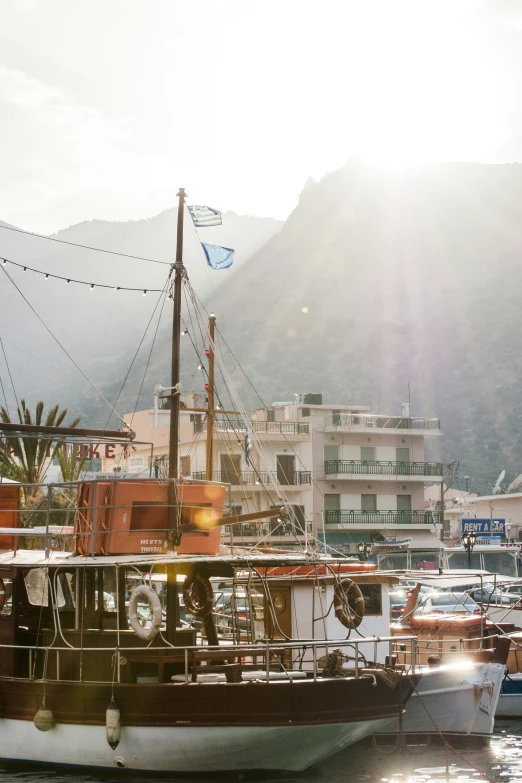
98 665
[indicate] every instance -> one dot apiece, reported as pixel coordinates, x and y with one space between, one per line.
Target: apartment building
347 475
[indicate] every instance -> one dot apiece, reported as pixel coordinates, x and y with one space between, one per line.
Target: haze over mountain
376 281
100 328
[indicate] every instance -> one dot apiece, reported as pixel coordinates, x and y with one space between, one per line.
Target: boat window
372 595
36 583
500 563
106 593
8 598
460 560
391 562
425 561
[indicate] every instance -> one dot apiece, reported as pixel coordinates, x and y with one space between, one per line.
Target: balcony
386 470
267 531
378 518
362 422
263 427
251 477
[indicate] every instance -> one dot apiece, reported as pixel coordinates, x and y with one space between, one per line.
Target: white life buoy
147 593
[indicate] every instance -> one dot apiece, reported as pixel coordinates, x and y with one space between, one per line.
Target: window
231 468
305 411
37 586
285 468
368 503
331 453
404 503
368 453
336 418
270 415
8 598
402 454
185 466
372 595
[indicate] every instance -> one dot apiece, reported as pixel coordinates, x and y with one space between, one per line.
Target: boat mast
179 271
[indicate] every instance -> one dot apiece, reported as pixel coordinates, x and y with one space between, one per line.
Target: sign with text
494 527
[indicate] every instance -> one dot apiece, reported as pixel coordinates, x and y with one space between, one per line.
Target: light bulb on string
116 287
92 286
145 292
25 269
47 277
4 261
67 281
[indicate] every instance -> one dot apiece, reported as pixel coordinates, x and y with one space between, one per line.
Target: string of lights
67 280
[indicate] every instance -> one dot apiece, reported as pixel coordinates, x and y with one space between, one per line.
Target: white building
347 475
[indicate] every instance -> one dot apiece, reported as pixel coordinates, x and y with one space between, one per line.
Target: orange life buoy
198 595
2 594
349 615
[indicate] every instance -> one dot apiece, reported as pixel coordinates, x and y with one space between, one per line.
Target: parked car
448 603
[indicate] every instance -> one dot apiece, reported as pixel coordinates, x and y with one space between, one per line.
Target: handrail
191 653
384 468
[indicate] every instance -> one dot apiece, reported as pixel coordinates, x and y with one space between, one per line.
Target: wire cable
85 247
139 347
10 376
66 352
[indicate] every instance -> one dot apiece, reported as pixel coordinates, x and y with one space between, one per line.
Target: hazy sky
106 106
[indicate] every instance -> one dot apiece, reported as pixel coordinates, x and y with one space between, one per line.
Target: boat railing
306 656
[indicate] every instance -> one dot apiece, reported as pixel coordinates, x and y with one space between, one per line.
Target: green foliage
26 459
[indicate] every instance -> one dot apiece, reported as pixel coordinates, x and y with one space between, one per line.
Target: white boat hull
510 702
454 699
182 749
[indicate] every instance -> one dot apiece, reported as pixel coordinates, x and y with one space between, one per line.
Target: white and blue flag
218 257
248 447
205 216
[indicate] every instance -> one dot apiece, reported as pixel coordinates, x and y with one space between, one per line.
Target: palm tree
26 459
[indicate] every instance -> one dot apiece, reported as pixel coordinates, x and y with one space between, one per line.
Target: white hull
182 749
460 698
510 702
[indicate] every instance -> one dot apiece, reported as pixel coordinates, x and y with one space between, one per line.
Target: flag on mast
218 257
205 216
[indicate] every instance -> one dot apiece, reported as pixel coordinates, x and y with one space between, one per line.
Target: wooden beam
56 433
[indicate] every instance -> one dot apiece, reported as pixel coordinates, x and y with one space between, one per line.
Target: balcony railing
257 530
357 467
349 421
263 427
344 517
251 477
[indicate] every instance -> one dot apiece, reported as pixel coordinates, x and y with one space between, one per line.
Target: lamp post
363 550
469 539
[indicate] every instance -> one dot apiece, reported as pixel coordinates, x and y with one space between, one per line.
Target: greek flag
205 216
218 257
248 447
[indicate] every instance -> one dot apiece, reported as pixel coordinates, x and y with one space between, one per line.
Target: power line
85 247
47 275
10 376
60 344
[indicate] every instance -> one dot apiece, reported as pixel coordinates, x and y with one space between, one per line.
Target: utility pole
210 398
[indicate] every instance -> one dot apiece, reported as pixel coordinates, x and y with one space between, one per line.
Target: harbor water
500 761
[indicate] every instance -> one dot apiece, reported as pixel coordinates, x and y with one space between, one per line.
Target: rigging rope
66 352
85 247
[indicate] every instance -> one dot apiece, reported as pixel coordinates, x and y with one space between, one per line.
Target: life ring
2 594
198 595
147 593
344 590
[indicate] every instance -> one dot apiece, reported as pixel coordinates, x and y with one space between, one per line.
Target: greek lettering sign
480 526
